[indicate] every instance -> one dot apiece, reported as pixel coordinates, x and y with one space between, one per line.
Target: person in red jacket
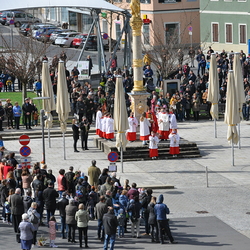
61 182
7 168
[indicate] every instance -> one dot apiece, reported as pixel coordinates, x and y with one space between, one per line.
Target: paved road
201 217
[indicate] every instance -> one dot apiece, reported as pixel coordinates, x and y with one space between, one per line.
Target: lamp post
43 117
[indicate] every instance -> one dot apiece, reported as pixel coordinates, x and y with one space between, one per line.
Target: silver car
66 39
55 34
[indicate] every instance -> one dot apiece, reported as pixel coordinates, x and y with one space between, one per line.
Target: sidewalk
201 217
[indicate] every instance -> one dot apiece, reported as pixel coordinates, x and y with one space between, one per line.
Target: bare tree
21 60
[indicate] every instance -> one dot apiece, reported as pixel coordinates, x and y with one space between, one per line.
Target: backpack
33 219
80 191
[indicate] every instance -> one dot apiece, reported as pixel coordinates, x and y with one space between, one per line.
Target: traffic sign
24 140
190 33
105 36
25 161
11 22
190 28
113 156
25 151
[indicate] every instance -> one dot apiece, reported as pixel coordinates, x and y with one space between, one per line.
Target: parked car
44 30
21 17
45 36
92 43
35 27
66 39
78 40
54 34
25 29
3 17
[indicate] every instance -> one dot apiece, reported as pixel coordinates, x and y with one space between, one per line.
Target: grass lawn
17 97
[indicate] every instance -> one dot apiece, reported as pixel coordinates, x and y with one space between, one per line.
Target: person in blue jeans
110 224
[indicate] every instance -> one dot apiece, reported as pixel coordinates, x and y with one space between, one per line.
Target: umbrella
48 104
120 117
232 116
239 86
62 103
213 90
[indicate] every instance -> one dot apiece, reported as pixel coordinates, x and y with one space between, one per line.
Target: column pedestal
138 103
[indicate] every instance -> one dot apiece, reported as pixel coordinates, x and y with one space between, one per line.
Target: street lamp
43 118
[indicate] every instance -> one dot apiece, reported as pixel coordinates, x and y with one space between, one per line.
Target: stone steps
136 151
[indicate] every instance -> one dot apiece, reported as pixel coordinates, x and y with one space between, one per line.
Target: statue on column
135 8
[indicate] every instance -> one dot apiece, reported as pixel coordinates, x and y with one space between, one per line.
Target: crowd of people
98 195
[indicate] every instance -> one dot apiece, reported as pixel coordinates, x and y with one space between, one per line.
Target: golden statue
135 8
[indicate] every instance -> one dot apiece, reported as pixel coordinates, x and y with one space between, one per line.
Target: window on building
72 18
104 26
117 1
146 1
64 14
52 12
87 20
128 1
172 32
229 33
117 30
243 36
169 1
146 32
215 32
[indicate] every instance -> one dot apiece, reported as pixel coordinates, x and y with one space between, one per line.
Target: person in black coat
90 64
61 205
49 196
84 126
17 209
110 224
144 203
75 129
152 220
103 176
1 116
27 111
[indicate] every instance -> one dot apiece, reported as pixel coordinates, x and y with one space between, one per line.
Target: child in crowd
7 212
52 231
153 145
174 143
121 223
35 118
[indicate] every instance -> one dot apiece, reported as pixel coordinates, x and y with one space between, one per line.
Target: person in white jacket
174 143
163 123
109 127
131 132
98 121
104 125
172 120
153 145
144 129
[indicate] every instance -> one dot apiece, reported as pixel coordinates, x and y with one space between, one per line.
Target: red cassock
174 150
154 126
153 152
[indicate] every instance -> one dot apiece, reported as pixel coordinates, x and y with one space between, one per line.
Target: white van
21 17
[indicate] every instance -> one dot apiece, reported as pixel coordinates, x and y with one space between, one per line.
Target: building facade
165 17
225 24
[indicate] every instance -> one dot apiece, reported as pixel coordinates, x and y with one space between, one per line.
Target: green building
225 24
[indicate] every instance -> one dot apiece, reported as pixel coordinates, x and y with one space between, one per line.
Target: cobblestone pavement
219 211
